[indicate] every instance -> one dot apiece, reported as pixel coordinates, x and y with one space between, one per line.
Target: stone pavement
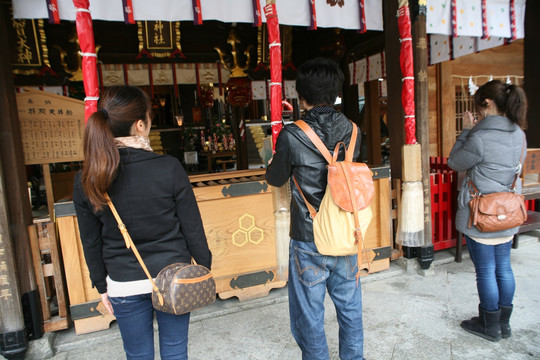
408 314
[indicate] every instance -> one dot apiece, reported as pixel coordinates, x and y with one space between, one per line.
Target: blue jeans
135 317
310 275
494 275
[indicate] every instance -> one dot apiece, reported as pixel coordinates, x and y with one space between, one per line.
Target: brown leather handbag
179 288
497 211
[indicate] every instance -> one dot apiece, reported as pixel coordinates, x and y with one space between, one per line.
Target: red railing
443 203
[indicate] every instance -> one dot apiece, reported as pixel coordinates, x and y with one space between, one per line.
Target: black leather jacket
297 155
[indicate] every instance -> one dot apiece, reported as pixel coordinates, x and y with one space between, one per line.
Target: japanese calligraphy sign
51 127
29 49
159 38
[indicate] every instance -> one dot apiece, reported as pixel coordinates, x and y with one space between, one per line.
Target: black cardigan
155 200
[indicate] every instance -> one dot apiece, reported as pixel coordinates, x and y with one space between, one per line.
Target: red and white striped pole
276 96
85 32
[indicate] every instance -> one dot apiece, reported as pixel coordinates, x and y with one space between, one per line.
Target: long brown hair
119 108
509 99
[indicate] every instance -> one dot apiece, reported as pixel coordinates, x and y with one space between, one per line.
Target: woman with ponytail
489 150
155 200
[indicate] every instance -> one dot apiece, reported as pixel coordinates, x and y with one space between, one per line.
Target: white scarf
136 141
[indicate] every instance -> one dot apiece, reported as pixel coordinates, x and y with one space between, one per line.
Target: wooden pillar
14 173
418 20
15 212
446 103
12 334
532 72
395 117
373 123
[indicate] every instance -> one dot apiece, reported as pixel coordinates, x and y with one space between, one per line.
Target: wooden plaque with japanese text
51 127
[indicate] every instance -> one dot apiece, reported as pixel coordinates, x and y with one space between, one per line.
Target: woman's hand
468 120
107 303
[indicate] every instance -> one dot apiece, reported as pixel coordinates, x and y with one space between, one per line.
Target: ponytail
516 106
101 159
509 99
120 107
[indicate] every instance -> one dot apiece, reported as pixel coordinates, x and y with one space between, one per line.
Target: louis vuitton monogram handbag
179 288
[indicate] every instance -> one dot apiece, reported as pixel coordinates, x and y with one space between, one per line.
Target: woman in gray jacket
489 150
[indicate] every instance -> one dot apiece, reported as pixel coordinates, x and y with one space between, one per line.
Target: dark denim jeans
135 316
310 276
494 275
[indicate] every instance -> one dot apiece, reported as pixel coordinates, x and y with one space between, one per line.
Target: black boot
487 325
506 311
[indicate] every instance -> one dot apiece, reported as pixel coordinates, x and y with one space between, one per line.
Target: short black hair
319 81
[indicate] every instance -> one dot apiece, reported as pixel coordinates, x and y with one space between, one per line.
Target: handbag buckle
501 217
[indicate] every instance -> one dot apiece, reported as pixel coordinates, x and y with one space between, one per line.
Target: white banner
498 16
463 45
112 74
439 48
258 90
375 67
162 74
361 70
438 17
138 74
290 12
290 89
293 12
483 44
469 17
185 74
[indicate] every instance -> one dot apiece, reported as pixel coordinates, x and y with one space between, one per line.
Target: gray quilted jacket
490 153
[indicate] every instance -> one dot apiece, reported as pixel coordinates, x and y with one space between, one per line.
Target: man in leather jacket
319 81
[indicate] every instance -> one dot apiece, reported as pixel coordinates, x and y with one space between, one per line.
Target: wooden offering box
87 311
238 216
379 232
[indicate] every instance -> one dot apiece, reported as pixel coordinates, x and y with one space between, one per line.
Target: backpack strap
352 143
315 139
324 151
312 211
349 152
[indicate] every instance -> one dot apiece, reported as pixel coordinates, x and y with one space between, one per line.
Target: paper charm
472 86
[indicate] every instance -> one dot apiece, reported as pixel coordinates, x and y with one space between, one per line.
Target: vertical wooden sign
52 129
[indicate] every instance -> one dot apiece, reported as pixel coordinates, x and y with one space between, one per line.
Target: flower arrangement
191 138
217 138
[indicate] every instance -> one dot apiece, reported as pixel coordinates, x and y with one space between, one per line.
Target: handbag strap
520 164
131 245
518 169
